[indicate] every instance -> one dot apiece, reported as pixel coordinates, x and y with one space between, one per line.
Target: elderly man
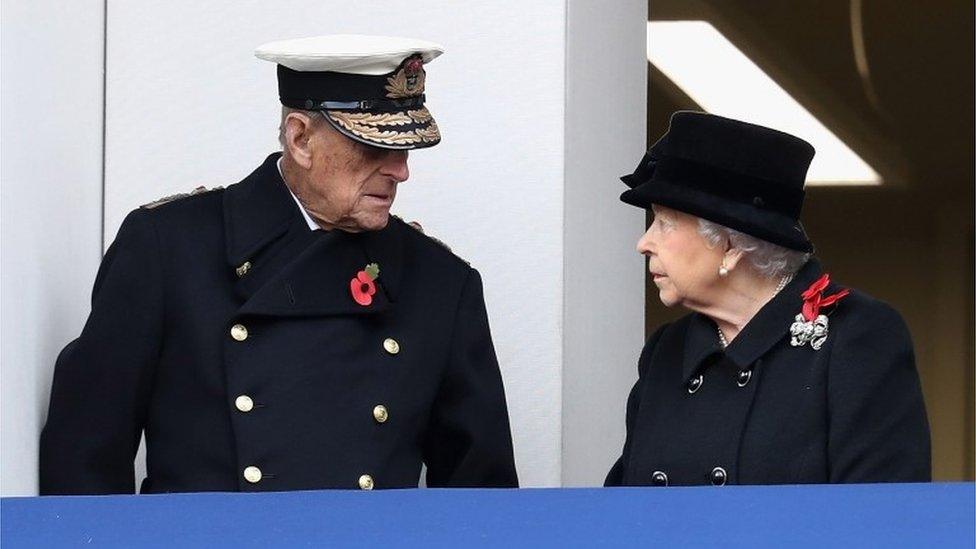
287 333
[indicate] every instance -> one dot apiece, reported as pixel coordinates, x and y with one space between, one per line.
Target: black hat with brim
739 175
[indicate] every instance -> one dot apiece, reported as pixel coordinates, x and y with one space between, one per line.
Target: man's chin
375 222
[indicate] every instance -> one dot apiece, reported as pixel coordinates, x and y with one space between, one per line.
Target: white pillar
51 208
603 293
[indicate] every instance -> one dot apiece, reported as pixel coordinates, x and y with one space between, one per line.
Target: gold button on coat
391 346
238 332
243 269
252 474
380 414
366 482
244 403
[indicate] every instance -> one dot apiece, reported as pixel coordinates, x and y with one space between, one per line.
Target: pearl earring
723 272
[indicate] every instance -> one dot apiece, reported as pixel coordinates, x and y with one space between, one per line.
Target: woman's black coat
767 412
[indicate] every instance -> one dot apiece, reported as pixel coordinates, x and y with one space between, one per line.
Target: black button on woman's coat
695 383
744 377
659 478
719 476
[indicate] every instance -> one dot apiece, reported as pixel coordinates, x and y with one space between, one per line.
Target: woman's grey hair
285 111
770 260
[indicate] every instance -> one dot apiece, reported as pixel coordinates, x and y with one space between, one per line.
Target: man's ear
298 133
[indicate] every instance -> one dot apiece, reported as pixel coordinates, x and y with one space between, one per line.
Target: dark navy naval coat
766 412
226 328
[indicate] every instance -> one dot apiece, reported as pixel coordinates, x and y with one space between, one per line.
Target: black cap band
329 86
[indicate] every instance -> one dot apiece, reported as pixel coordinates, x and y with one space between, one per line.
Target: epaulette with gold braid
174 197
417 227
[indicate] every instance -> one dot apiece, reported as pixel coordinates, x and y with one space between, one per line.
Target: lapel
317 281
263 227
701 343
770 325
257 211
295 271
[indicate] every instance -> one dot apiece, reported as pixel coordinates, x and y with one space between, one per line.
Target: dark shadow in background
894 79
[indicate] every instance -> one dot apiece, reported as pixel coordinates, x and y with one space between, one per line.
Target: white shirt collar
312 225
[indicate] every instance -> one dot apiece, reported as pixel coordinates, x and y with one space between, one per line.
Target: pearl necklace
779 287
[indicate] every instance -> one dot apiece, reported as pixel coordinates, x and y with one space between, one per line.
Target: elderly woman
779 375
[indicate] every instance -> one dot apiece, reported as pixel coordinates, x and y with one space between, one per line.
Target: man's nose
395 166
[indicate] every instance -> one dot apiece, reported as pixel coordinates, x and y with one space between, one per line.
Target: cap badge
408 81
810 326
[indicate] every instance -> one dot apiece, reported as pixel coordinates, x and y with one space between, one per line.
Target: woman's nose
644 244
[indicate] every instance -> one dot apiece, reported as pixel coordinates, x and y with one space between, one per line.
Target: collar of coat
262 224
769 327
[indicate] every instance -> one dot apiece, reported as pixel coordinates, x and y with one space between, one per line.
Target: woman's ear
298 133
732 257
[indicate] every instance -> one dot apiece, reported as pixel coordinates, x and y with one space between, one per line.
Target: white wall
50 208
541 105
189 105
603 331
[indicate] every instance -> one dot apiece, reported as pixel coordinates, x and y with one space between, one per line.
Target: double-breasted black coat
766 412
227 330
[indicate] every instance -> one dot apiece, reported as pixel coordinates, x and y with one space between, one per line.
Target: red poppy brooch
811 325
363 286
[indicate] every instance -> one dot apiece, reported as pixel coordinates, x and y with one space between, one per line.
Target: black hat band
738 187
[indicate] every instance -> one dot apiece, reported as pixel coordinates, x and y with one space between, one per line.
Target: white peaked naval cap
347 53
370 88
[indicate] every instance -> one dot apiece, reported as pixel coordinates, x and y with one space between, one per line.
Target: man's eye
365 150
